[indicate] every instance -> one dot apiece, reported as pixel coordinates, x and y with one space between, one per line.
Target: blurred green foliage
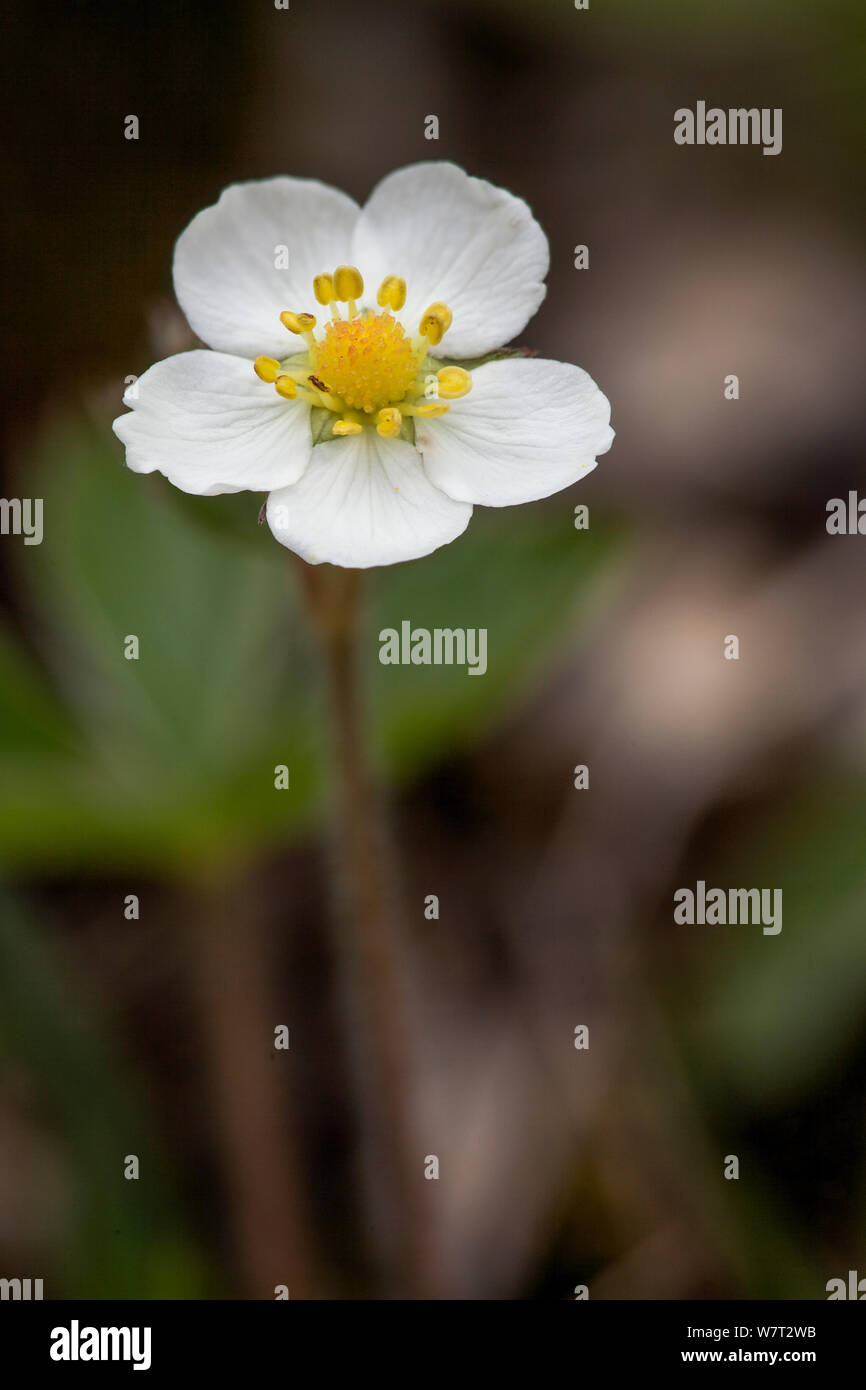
167 762
777 1014
119 1238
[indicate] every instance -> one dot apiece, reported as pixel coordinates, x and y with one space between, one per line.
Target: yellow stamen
286 380
435 322
266 368
416 388
365 365
303 325
311 397
389 422
286 386
427 412
391 293
297 323
323 391
453 383
348 283
323 288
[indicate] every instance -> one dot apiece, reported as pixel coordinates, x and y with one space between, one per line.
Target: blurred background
154 1036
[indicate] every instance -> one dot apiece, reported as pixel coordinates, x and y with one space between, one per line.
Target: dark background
154 1036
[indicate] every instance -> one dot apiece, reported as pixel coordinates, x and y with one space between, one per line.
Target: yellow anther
286 386
453 382
266 368
391 293
348 283
342 427
427 412
323 289
435 322
297 323
389 422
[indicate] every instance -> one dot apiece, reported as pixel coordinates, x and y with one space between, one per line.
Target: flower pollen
368 362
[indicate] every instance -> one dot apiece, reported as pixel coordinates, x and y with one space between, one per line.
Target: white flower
372 443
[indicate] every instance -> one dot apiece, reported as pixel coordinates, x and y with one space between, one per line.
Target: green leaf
176 750
527 577
32 720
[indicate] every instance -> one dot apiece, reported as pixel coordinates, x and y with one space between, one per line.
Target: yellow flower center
363 367
368 362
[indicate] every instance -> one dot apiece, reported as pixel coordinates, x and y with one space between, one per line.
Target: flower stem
369 951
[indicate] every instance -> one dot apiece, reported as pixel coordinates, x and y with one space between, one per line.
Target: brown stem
373 975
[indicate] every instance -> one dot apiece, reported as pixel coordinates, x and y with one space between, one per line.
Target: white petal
364 501
527 428
456 239
208 423
225 274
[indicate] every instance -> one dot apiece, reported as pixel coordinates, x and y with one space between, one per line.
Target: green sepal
299 362
322 426
471 364
407 430
321 421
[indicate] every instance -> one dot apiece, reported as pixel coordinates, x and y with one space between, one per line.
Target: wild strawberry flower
369 422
